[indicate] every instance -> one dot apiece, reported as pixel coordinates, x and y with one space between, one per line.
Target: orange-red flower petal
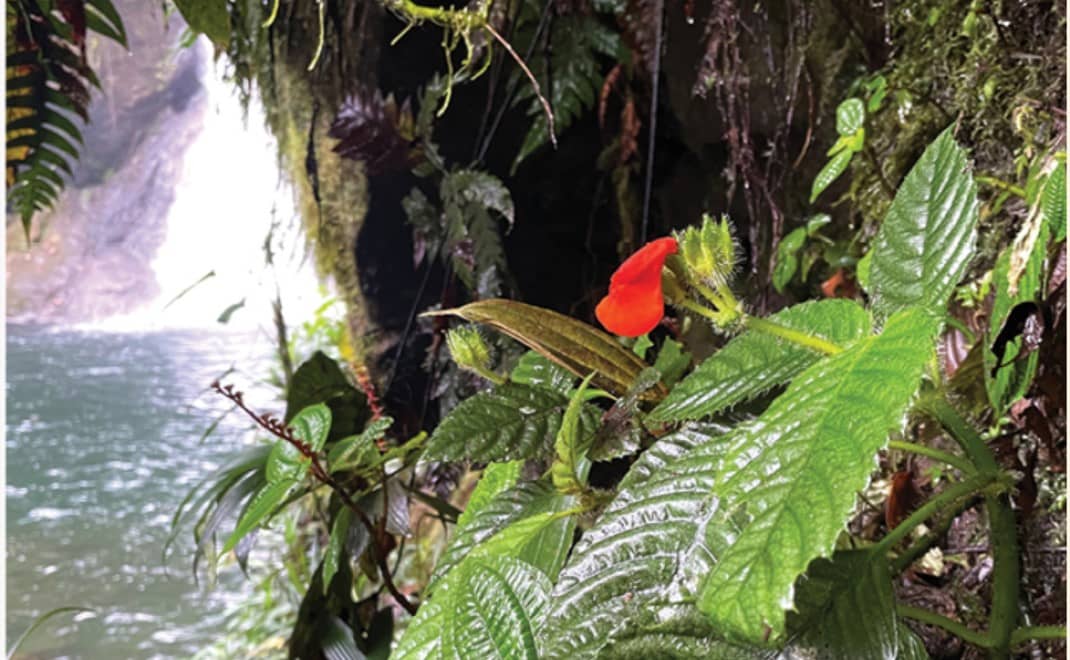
635 305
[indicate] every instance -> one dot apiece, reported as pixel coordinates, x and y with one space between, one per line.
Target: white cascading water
229 195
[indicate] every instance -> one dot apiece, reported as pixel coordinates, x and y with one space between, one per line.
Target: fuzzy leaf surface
754 362
490 607
730 523
510 422
927 239
847 612
546 550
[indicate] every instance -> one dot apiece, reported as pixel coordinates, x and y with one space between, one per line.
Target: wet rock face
92 255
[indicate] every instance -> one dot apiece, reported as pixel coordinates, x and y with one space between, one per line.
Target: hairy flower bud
709 251
468 349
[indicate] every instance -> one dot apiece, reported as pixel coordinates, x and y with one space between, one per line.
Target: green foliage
926 241
755 362
533 369
489 606
846 611
48 85
1054 202
1009 373
572 344
210 17
571 445
509 422
576 77
787 251
850 118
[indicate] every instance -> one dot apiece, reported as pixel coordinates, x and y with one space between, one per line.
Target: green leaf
624 592
312 425
546 549
830 172
490 607
736 519
39 621
574 345
358 451
320 380
754 362
224 317
509 422
850 115
621 431
260 508
672 361
496 478
788 484
209 17
1007 379
336 546
1053 203
285 463
922 249
533 369
571 445
846 611
338 640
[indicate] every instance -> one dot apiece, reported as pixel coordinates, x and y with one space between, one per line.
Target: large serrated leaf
624 592
545 550
927 239
754 362
788 484
576 346
737 520
511 421
490 607
846 611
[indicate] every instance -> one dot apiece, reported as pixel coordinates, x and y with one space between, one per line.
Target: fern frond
48 85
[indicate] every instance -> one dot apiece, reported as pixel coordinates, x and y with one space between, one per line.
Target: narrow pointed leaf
260 508
576 346
927 239
571 445
1053 203
336 546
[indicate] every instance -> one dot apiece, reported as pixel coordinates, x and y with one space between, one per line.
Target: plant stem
693 306
1026 633
1003 618
941 500
790 334
935 533
961 464
950 625
1001 184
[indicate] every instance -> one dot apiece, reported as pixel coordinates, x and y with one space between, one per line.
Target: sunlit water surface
103 441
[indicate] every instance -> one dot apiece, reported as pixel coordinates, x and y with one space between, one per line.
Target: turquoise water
103 441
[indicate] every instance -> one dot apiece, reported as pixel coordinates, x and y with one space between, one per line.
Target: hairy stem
945 498
957 462
799 337
1003 618
950 625
1026 633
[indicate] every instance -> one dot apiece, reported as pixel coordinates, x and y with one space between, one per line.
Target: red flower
634 305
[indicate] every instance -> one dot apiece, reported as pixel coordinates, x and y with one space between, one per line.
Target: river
103 440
